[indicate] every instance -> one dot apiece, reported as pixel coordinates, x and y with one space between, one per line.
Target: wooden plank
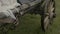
6 20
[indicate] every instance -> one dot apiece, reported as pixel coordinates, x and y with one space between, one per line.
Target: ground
30 24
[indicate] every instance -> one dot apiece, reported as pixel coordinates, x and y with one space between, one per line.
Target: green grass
30 24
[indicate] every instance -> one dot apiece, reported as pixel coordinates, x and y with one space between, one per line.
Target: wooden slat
7 20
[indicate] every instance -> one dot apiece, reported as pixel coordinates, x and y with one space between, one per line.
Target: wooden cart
45 8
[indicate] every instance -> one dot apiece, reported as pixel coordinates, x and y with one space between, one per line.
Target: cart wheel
16 22
47 15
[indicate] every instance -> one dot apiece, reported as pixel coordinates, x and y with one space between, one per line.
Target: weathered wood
6 20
